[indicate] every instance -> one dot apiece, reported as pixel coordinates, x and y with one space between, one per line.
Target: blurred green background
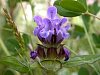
22 12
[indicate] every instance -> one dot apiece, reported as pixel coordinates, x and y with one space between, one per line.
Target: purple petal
48 39
59 36
47 23
44 33
56 21
67 27
52 12
62 21
33 54
36 30
41 38
66 35
38 20
67 54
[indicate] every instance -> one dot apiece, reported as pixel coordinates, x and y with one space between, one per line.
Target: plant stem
23 11
25 16
4 48
88 13
89 40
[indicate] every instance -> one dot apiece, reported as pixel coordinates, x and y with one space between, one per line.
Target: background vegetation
84 37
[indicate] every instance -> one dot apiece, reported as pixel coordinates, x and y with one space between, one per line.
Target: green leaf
94 8
12 42
82 59
96 68
53 65
83 71
12 45
73 5
83 2
96 39
26 39
14 63
64 12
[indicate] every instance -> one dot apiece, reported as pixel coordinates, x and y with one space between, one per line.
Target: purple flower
33 54
51 30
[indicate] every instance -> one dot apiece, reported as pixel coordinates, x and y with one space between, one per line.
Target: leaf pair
71 8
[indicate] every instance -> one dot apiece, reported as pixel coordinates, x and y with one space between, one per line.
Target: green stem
23 11
4 48
89 40
88 13
25 16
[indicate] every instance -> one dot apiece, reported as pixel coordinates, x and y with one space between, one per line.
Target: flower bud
33 54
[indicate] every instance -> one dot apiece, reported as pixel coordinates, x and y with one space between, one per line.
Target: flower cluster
51 31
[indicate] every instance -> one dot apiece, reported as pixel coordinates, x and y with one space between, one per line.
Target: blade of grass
4 47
